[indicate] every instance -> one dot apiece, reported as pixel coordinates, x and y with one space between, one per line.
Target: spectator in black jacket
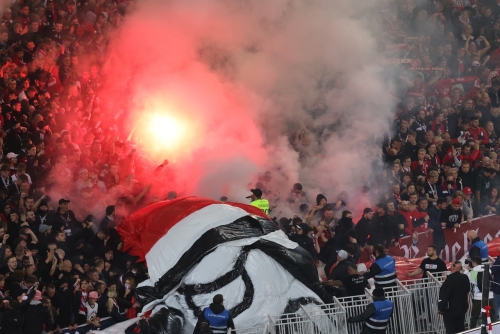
344 224
466 175
102 291
451 217
454 299
399 220
108 219
349 241
362 228
12 321
303 239
435 224
382 228
99 240
37 316
64 218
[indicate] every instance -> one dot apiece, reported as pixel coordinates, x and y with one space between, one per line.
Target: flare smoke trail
238 77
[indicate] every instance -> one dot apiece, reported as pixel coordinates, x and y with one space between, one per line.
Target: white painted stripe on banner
169 248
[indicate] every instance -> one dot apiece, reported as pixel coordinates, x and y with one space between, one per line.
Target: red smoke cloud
180 103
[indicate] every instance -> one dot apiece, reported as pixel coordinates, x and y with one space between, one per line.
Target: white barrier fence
424 296
415 311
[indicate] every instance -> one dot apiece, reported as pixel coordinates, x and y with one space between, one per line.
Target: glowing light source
166 130
162 133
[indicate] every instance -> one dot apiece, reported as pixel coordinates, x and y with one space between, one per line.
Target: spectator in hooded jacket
302 238
382 228
363 227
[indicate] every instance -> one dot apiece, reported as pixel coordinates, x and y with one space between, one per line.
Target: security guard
258 201
383 270
377 314
478 248
218 317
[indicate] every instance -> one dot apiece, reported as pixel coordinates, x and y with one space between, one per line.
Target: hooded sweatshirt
304 240
344 225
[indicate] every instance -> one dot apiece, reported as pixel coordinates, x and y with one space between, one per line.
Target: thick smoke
242 78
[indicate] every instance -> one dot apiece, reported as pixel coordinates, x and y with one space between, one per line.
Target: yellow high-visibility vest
262 204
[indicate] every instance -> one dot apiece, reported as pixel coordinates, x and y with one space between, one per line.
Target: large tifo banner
457 245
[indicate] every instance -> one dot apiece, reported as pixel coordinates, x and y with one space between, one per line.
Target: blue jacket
218 318
478 248
383 313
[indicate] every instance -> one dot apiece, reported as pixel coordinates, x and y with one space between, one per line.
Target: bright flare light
166 130
162 135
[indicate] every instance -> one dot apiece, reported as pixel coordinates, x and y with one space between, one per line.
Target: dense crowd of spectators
61 268
440 159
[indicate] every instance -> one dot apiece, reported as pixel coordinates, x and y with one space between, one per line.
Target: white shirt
91 311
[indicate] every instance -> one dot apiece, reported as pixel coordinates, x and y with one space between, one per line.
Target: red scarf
83 299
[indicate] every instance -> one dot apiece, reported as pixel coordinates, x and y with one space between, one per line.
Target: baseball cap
467 191
63 200
343 254
93 294
11 155
367 210
256 192
456 201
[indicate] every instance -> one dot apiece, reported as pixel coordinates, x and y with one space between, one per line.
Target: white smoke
242 68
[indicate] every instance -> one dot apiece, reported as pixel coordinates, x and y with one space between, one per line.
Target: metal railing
354 306
415 311
425 296
291 323
329 318
254 330
402 318
403 315
440 278
311 319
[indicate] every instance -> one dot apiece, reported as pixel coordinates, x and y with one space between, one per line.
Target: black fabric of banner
166 321
245 227
297 262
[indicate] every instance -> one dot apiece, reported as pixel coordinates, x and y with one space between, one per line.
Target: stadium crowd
440 160
61 268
